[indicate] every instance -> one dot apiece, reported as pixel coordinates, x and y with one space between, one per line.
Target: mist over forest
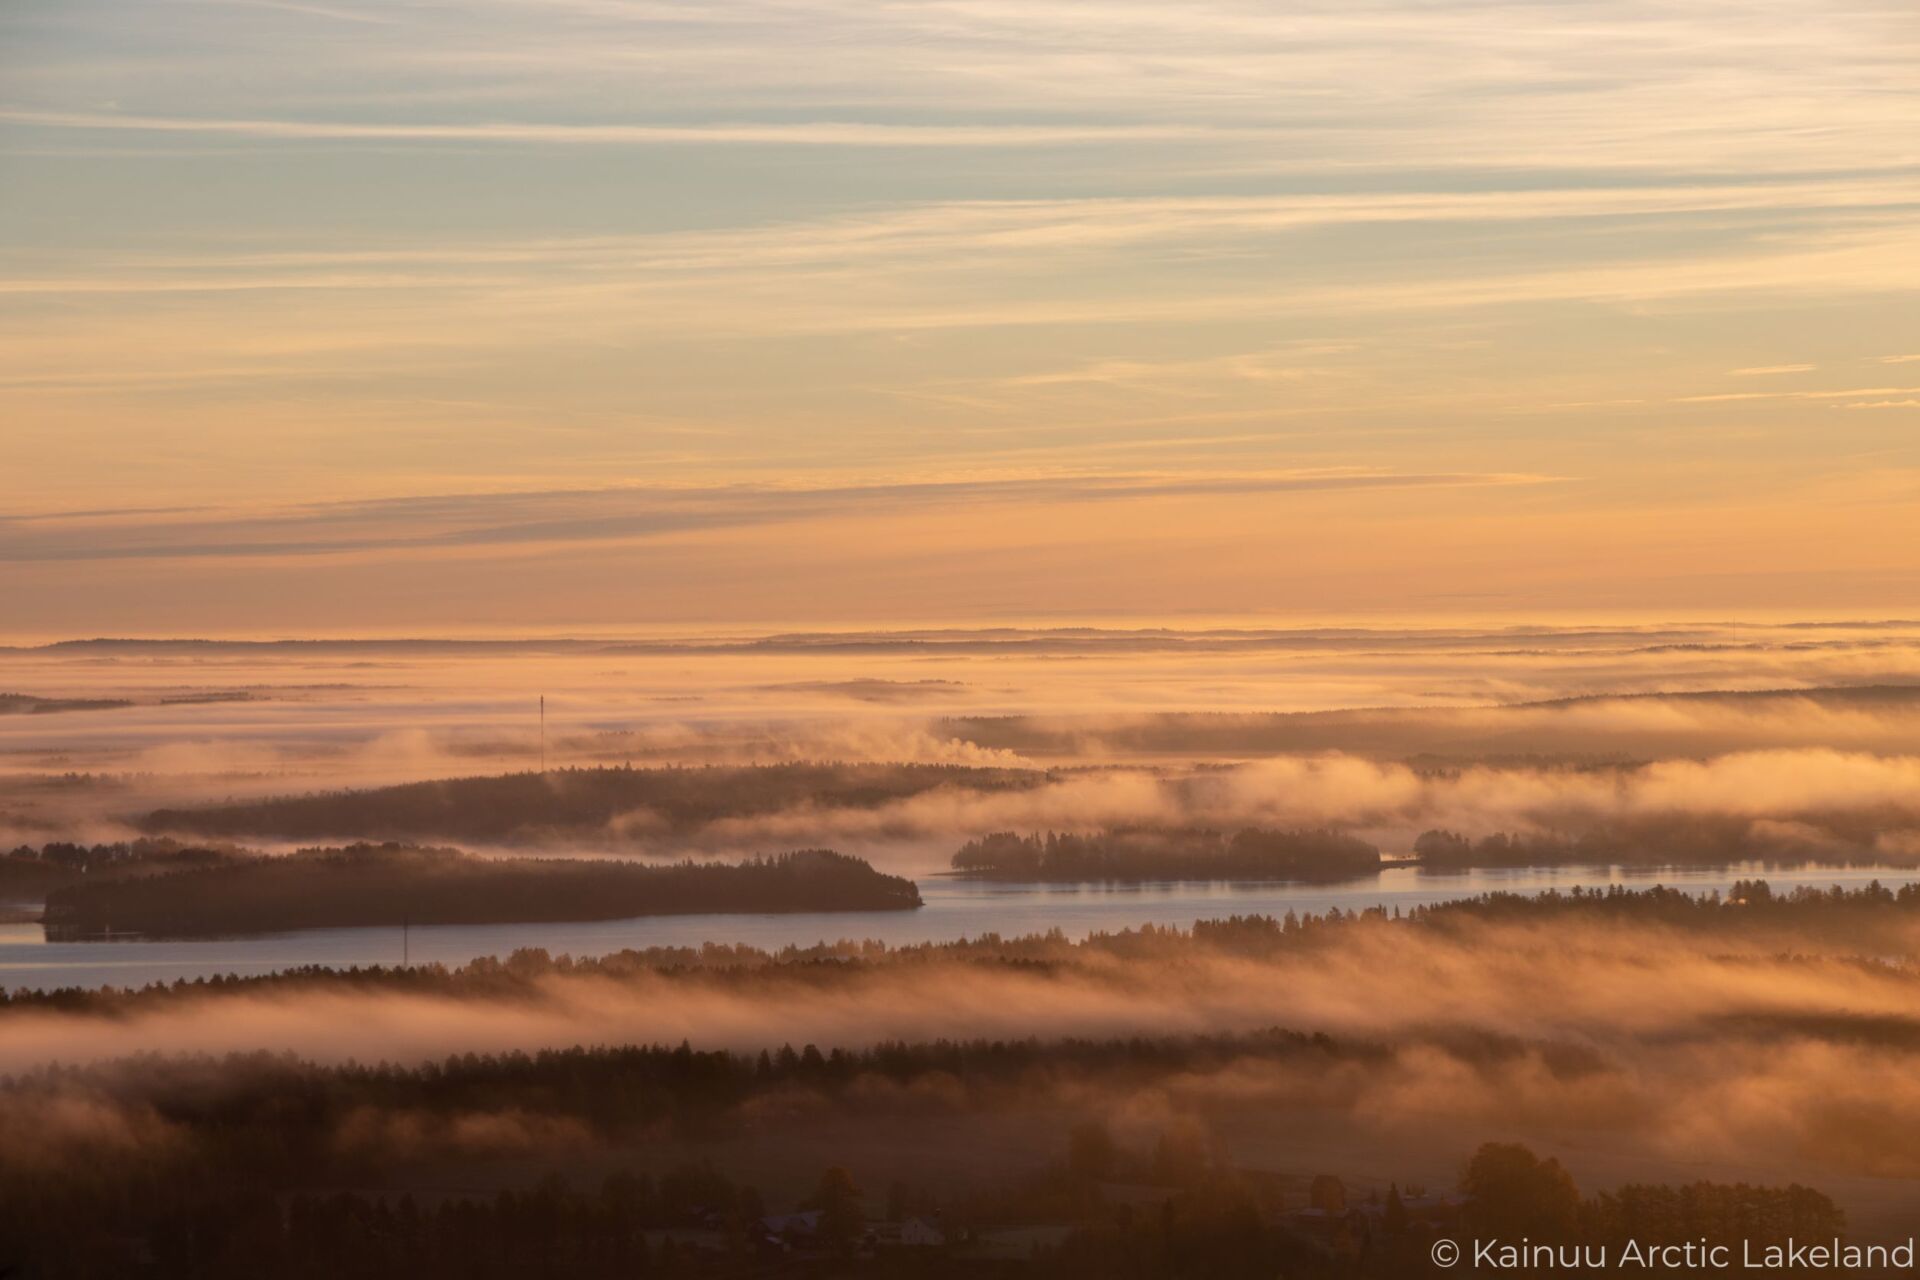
1463 1041
1164 1067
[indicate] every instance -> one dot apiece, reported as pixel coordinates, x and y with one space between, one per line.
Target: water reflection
954 909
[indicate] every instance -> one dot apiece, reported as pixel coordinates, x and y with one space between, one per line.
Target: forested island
1664 840
1143 854
369 885
528 807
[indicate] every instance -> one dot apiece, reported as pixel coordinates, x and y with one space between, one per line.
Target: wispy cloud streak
441 522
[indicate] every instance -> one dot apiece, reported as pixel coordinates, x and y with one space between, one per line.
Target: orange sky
381 317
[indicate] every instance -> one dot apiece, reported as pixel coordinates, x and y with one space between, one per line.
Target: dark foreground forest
262 1167
392 884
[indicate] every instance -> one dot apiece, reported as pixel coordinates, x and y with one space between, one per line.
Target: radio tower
543 734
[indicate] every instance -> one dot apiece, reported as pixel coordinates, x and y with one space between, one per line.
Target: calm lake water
954 909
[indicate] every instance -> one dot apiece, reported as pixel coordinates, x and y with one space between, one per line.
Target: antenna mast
543 733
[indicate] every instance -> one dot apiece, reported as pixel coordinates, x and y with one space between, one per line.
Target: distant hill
1501 730
27 704
1846 695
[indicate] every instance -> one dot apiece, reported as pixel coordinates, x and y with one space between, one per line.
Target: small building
791 1230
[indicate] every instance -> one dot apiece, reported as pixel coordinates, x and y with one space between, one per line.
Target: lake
954 909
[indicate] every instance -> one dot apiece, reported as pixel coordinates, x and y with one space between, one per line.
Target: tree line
1664 839
29 873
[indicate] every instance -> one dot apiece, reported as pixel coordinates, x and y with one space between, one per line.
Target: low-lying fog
1771 1044
1794 1052
1478 731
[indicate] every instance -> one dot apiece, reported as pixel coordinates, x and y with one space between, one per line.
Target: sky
515 315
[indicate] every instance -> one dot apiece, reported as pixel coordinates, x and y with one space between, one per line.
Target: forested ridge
556 802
